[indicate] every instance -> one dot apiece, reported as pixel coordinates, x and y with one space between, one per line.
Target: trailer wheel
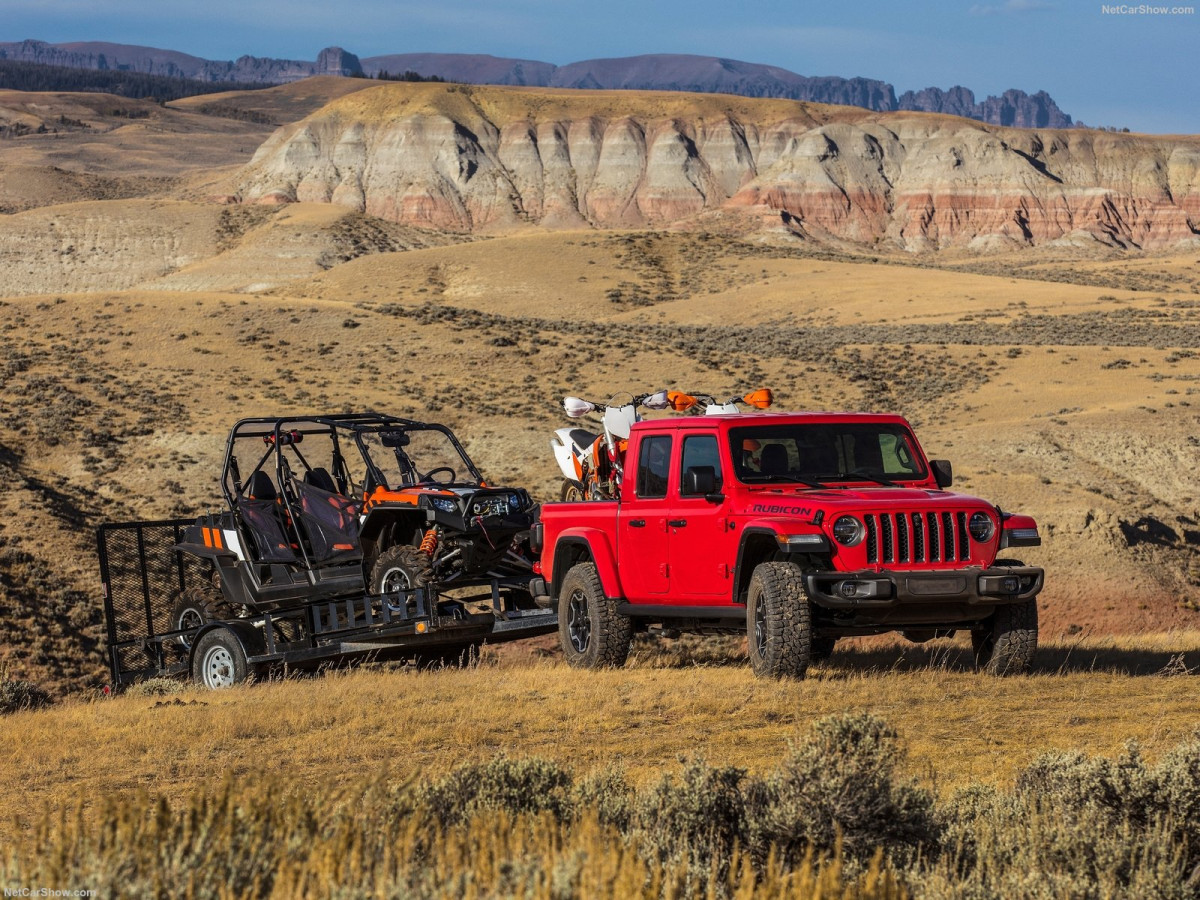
778 621
194 607
592 633
219 661
400 568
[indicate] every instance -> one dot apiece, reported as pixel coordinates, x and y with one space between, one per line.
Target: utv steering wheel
428 476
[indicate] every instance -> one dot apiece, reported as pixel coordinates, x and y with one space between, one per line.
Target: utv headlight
848 531
981 527
445 504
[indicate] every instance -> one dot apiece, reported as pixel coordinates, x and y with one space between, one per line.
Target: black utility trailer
145 570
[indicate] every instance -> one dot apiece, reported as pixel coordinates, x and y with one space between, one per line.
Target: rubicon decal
785 510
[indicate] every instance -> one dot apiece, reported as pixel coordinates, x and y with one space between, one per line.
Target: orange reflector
422 628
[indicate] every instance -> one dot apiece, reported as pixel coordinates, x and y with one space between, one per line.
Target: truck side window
654 466
700 450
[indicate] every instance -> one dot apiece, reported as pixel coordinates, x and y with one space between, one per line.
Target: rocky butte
472 158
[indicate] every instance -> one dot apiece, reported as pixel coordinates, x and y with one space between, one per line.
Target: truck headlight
848 531
445 504
981 527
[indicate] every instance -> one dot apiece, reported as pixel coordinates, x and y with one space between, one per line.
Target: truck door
642 522
702 545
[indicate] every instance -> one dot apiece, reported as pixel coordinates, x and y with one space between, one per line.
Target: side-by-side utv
342 534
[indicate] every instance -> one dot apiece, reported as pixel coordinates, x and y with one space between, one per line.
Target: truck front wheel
1008 640
592 633
778 621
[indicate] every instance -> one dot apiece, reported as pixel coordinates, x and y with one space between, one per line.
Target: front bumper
888 590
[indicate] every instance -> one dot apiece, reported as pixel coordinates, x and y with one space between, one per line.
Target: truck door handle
637 523
677 523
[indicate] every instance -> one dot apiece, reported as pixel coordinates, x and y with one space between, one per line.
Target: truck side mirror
943 473
701 480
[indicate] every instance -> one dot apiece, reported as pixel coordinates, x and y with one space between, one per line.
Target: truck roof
743 419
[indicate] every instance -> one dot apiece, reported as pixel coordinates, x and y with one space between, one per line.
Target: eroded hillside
471 158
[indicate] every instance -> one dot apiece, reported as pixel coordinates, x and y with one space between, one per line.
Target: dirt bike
592 463
708 405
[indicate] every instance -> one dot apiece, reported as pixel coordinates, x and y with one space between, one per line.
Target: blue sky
1134 70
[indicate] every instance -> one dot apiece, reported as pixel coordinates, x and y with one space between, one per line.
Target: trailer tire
592 633
219 660
196 606
778 621
401 568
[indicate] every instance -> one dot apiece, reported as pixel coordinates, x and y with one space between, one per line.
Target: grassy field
142 766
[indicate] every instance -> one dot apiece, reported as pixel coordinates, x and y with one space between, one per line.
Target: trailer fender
582 544
251 639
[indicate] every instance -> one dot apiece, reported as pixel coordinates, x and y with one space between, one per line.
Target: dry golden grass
673 701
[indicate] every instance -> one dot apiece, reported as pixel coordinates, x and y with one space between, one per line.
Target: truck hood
806 502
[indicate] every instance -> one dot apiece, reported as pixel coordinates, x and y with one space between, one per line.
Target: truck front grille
917 538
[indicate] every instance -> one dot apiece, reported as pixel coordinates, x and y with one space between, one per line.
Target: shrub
840 780
695 820
16 695
608 795
156 687
512 785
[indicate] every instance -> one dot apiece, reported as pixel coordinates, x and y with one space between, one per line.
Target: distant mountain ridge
657 72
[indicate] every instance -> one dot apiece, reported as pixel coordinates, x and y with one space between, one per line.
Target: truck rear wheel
778 621
219 661
592 633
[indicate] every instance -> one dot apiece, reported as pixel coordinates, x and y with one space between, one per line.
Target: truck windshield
410 456
825 452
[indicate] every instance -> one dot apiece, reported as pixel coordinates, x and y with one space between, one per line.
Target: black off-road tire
778 621
219 661
1008 640
592 633
822 648
402 567
572 491
196 606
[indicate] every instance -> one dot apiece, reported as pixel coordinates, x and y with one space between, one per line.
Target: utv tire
778 621
592 633
1008 640
401 568
219 661
194 607
572 491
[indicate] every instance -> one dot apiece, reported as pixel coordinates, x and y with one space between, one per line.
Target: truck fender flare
597 548
251 639
758 537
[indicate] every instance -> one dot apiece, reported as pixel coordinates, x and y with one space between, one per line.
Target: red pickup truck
797 529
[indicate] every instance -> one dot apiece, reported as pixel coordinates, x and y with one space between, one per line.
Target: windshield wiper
759 477
861 476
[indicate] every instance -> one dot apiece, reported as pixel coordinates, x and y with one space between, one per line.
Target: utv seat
259 508
321 479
